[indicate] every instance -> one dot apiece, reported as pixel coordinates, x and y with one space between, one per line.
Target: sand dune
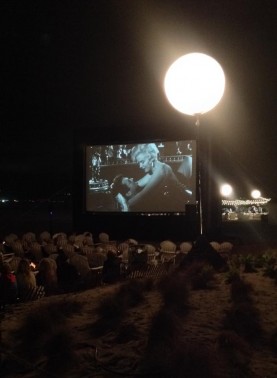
83 342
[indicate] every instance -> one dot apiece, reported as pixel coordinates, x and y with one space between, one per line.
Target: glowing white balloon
194 83
226 190
255 194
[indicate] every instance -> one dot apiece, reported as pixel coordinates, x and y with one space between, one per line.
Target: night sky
69 65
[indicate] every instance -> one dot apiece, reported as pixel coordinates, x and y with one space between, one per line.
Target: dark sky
67 65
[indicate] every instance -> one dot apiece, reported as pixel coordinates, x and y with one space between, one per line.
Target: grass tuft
201 275
59 350
244 319
241 291
175 292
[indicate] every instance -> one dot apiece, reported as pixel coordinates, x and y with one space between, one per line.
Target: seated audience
47 275
49 248
97 258
8 285
68 277
138 258
14 262
25 278
35 252
111 268
203 251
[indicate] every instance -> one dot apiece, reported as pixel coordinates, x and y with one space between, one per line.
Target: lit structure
246 202
194 84
245 209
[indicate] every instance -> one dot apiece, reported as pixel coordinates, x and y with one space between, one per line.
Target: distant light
255 194
226 190
194 83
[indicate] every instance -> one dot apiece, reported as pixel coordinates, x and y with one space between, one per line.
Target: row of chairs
169 251
166 251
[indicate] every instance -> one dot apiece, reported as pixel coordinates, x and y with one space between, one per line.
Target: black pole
199 177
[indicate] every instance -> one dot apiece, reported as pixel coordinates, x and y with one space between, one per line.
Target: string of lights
246 202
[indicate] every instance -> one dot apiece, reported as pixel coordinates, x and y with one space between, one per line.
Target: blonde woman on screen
159 189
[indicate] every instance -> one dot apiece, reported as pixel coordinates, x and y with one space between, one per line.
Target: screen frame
143 225
121 225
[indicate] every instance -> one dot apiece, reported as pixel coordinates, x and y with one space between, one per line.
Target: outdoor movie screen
141 178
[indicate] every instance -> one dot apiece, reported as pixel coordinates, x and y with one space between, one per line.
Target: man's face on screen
130 184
